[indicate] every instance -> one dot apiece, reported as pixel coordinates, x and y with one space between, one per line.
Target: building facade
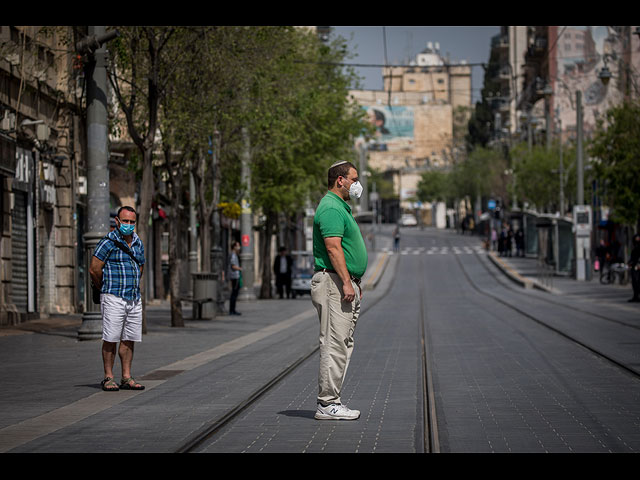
542 68
40 98
415 118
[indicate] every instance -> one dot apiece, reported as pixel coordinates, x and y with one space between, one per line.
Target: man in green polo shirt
340 261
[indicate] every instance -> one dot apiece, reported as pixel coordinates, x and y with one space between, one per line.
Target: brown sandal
108 385
126 384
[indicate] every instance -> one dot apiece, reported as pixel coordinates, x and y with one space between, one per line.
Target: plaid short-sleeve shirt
121 274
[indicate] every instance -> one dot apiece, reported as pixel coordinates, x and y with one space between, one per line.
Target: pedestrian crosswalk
437 250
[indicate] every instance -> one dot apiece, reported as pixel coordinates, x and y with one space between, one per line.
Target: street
502 382
450 356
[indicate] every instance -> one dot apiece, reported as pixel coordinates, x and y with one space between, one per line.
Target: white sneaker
336 411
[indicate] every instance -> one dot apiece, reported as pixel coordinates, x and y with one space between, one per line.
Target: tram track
594 350
430 440
200 438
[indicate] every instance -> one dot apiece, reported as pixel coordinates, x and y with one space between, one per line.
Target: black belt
355 279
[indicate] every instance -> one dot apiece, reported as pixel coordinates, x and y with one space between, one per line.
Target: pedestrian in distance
396 238
519 239
116 270
502 240
602 254
282 268
234 276
634 266
340 256
508 241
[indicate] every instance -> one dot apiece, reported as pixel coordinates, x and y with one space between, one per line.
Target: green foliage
384 185
616 146
301 118
538 175
481 174
434 186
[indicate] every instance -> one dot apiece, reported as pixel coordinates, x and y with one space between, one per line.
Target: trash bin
204 295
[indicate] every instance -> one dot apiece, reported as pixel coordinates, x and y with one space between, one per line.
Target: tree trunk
175 262
146 195
265 247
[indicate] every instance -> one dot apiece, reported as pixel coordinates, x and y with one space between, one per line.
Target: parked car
408 220
302 272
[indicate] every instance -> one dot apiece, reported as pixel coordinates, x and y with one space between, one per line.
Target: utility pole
581 212
97 166
580 166
364 200
246 224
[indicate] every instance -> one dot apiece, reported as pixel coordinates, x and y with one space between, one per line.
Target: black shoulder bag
95 292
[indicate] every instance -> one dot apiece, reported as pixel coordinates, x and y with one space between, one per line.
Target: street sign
582 220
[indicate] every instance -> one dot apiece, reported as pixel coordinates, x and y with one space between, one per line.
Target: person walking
396 238
634 265
282 268
116 270
340 257
234 277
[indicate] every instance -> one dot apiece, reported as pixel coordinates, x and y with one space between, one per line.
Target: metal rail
202 436
593 350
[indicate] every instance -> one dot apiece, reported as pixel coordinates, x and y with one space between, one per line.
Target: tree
139 74
481 174
537 174
616 145
302 121
481 123
434 186
179 122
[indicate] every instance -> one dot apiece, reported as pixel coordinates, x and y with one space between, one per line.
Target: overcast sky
472 44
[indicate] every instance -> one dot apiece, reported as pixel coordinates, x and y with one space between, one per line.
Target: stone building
416 117
40 98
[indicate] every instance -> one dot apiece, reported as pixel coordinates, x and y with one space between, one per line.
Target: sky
367 44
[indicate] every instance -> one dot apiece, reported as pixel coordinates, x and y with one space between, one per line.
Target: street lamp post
97 166
580 211
548 92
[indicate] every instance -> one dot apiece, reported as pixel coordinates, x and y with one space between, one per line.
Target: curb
375 277
526 283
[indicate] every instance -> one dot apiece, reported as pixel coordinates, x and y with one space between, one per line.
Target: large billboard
394 127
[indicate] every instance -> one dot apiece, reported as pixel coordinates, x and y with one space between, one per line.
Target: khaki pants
337 324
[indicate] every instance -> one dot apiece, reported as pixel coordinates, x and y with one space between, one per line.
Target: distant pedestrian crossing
437 250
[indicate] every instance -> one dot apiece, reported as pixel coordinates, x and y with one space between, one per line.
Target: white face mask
355 190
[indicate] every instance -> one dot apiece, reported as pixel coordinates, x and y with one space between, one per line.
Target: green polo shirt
333 218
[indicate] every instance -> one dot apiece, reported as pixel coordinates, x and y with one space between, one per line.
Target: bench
197 303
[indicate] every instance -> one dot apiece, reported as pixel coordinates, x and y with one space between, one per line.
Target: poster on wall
582 51
394 127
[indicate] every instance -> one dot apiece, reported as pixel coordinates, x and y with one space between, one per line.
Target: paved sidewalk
51 400
526 272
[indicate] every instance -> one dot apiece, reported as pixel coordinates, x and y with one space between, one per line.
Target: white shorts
121 319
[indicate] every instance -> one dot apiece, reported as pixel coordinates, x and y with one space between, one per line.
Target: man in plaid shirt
117 274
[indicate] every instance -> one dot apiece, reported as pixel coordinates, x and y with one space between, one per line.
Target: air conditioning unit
43 132
8 121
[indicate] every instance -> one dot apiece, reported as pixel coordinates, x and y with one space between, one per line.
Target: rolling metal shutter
19 263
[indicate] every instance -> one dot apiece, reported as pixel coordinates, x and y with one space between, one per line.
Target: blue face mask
126 228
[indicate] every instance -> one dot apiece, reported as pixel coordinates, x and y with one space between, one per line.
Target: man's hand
95 271
349 292
336 255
